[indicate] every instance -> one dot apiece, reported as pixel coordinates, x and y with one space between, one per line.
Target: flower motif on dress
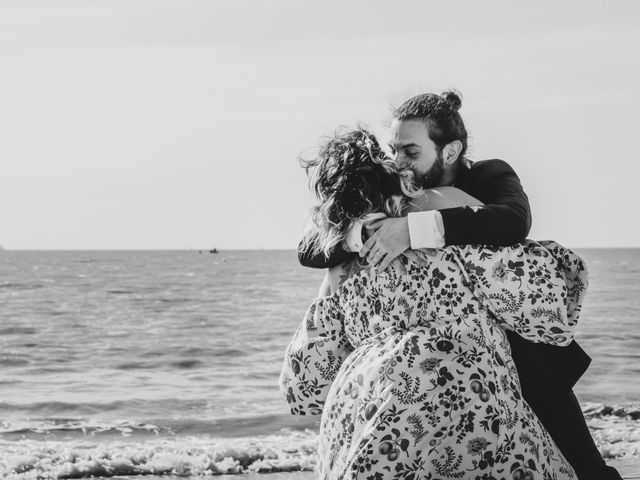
477 445
499 271
429 364
504 382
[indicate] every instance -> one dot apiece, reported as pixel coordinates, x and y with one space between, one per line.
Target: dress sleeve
533 288
314 356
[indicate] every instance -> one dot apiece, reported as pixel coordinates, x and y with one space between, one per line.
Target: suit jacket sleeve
504 220
335 258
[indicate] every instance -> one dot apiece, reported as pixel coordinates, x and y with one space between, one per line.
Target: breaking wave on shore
616 429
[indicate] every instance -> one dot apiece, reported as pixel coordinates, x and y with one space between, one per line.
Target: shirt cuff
426 229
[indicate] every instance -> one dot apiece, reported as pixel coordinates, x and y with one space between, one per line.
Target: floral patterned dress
412 371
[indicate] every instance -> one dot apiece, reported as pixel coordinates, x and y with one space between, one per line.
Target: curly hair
440 113
351 176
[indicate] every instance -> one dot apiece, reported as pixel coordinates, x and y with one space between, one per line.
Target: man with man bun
429 137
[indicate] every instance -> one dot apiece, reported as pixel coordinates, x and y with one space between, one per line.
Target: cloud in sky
166 124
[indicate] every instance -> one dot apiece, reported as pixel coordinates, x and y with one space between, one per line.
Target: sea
166 363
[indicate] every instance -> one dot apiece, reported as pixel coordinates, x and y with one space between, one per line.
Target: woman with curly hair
410 366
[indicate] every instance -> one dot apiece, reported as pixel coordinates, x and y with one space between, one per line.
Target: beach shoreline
628 467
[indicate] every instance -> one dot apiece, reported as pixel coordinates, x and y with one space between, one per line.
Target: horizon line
221 250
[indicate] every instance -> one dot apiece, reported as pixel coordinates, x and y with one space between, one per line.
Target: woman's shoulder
340 274
439 198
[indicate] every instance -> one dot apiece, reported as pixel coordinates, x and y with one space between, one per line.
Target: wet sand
629 468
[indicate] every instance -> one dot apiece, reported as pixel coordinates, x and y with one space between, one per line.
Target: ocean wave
196 417
287 452
21 286
615 428
65 427
57 407
183 364
629 410
18 330
7 361
71 428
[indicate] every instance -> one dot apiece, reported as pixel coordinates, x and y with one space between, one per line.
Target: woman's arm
313 357
440 198
535 289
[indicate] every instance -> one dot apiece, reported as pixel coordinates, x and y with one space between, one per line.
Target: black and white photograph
283 240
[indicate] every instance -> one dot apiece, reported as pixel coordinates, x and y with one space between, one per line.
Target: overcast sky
176 124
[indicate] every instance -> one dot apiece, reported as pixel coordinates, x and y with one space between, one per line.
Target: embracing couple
441 343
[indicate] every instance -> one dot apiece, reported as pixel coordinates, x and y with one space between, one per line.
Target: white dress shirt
426 230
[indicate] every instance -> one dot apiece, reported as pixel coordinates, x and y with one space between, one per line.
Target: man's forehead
404 132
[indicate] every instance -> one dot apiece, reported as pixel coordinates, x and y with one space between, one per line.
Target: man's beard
433 177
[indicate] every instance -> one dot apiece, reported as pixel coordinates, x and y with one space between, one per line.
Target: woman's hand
390 239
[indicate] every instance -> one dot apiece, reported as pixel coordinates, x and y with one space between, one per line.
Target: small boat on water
213 250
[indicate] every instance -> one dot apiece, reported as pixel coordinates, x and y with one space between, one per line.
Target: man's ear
451 152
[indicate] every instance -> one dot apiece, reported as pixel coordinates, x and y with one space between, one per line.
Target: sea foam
185 456
615 428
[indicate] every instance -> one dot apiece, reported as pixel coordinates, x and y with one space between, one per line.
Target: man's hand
390 239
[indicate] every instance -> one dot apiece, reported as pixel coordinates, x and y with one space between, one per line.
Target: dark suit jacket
504 220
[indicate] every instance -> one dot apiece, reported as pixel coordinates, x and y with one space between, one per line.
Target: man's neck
449 176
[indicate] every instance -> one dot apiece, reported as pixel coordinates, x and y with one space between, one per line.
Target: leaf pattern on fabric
411 369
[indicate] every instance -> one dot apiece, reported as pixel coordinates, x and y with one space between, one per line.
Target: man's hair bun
453 99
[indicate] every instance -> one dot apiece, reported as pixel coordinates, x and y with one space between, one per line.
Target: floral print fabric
412 371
